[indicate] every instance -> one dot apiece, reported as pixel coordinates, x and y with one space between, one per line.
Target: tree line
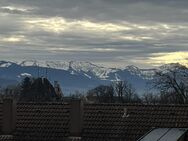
169 86
118 91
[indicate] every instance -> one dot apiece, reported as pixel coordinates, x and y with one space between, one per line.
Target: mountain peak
171 66
29 63
5 64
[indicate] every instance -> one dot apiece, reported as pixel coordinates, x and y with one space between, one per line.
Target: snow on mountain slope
23 75
144 73
5 64
29 63
72 66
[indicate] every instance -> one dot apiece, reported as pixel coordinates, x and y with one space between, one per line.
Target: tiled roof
101 122
110 122
42 121
74 139
7 138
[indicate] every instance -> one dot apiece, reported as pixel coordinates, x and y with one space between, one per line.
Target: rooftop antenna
49 77
46 73
38 70
47 69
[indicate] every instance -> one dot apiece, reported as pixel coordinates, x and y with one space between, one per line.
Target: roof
110 122
126 122
74 139
7 138
42 121
165 134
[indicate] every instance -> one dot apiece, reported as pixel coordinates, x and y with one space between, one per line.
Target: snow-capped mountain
73 66
87 67
74 75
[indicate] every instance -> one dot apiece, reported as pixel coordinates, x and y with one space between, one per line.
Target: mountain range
76 75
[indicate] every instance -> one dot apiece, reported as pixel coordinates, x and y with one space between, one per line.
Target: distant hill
76 75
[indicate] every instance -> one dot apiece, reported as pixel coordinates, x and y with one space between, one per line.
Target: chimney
76 119
8 116
58 89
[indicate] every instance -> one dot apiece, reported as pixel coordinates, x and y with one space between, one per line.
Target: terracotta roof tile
102 122
6 138
42 121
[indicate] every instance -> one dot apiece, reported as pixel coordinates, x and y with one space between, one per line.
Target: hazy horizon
113 33
46 63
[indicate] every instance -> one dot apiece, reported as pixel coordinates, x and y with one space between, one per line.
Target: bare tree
150 98
173 83
11 91
125 92
119 88
102 93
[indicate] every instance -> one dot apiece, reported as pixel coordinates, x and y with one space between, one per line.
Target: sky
113 33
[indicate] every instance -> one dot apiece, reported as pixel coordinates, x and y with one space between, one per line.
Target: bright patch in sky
13 39
59 24
14 8
174 57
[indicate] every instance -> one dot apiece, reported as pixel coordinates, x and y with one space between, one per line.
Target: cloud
59 24
104 50
112 32
14 10
131 10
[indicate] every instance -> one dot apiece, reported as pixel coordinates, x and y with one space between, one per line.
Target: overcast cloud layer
144 33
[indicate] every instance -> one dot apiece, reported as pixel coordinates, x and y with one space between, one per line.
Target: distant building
40 90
